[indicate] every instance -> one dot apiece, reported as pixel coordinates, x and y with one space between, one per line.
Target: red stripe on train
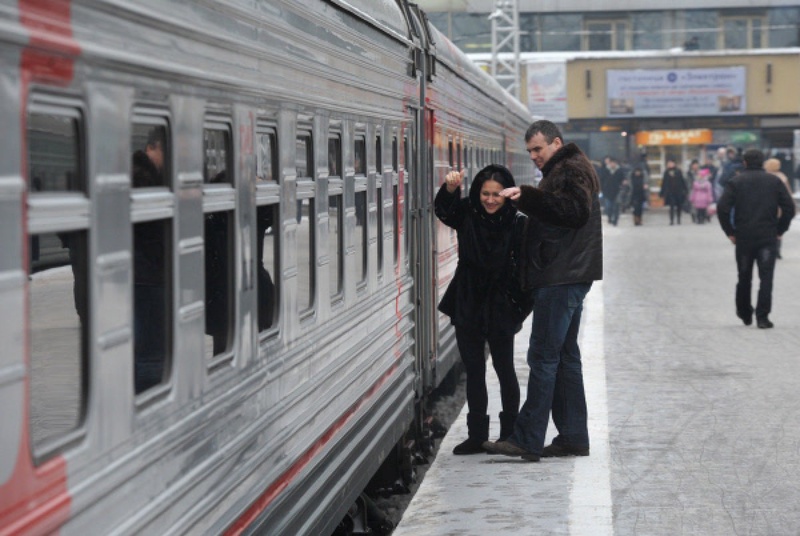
51 47
36 500
286 478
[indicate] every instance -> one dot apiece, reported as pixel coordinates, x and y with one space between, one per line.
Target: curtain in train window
360 235
152 247
218 238
268 237
59 305
335 216
306 258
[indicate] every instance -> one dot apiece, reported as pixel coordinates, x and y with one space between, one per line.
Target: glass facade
696 29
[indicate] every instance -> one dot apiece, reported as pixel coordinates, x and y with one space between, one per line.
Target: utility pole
505 39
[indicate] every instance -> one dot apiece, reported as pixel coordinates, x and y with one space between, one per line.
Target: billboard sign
676 92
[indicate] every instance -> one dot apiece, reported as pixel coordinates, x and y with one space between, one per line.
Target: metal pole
505 45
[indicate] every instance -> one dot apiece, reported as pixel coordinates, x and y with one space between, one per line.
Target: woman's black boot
478 429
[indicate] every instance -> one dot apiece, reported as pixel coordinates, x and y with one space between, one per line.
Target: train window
58 287
335 215
306 258
360 163
450 159
152 244
267 261
150 151
360 241
378 155
408 143
379 201
53 149
219 202
267 158
216 145
394 154
406 155
267 218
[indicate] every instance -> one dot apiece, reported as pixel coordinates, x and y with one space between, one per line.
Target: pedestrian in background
773 166
612 188
639 194
749 212
702 196
480 300
673 191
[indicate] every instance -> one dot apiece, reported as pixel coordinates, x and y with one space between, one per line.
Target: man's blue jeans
556 377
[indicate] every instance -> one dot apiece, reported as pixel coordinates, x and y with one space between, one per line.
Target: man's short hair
548 129
753 159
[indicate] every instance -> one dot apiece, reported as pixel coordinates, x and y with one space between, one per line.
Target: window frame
61 211
217 198
336 190
157 204
306 189
268 194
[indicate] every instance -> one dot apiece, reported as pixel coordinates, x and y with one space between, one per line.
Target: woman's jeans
556 377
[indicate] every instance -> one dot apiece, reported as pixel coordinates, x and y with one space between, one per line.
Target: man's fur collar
569 150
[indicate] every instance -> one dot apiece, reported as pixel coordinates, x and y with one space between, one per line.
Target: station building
651 81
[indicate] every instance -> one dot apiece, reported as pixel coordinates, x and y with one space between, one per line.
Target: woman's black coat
479 295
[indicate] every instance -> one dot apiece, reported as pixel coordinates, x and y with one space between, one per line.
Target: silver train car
219 263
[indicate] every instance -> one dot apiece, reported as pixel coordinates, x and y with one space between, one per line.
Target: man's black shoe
747 319
559 451
764 323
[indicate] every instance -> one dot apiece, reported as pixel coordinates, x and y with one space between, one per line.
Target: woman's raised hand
454 180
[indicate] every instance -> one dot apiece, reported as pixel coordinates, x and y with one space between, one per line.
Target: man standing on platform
564 256
754 211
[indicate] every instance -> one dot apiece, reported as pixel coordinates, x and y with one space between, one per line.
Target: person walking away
691 176
639 192
478 299
673 191
603 175
773 166
565 234
702 196
612 190
749 215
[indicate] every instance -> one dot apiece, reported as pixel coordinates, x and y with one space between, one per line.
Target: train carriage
220 260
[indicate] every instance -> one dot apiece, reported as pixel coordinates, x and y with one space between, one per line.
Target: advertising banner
676 92
547 90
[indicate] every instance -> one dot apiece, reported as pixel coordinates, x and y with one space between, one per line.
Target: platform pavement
694 418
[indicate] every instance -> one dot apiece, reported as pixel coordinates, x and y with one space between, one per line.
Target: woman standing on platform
639 193
480 300
673 191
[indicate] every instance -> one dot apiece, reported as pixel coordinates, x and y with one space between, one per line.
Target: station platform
693 417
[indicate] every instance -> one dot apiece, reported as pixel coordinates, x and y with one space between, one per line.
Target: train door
420 230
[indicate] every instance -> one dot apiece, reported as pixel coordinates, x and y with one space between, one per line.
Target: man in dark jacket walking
754 211
565 232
